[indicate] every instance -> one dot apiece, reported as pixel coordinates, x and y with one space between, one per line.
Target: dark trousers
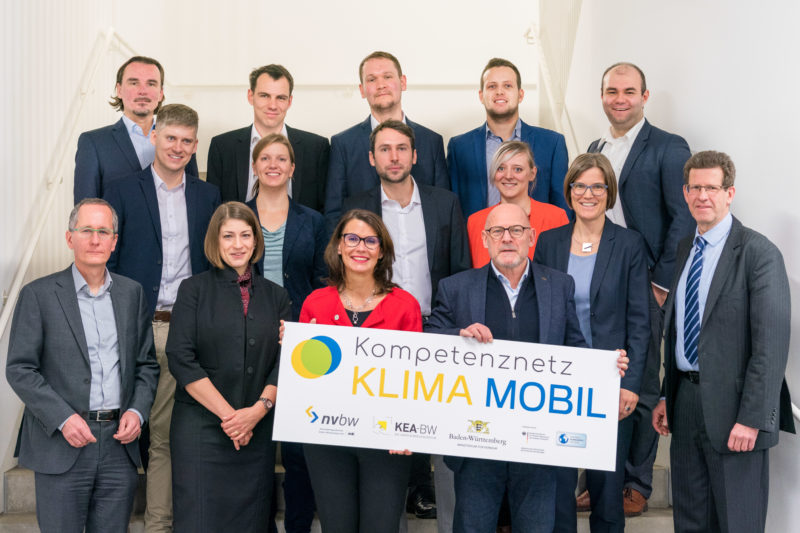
96 493
358 490
297 492
605 491
644 440
712 491
481 483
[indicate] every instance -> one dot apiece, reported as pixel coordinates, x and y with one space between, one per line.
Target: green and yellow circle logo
316 357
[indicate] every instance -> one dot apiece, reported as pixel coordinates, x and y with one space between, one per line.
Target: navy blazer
304 242
350 171
466 159
445 229
651 191
619 292
229 165
138 253
462 302
104 155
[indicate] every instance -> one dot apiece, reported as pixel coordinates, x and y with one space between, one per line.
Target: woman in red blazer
514 175
357 489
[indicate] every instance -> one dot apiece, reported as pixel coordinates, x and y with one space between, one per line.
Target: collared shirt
715 241
510 291
145 150
617 150
407 229
176 264
374 121
252 178
493 143
100 329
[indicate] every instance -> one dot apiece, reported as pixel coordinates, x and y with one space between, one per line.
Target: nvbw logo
316 357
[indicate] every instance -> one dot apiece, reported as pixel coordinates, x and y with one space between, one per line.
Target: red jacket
398 310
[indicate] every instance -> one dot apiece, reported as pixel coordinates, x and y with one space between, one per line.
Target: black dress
216 488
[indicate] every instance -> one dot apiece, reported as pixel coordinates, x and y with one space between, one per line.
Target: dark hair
391 124
624 64
586 162
383 269
73 215
116 101
500 62
272 138
177 115
275 72
225 212
712 159
379 55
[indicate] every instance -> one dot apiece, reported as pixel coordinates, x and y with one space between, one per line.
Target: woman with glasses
357 489
294 246
223 351
514 174
609 266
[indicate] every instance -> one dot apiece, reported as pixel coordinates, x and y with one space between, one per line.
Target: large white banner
448 395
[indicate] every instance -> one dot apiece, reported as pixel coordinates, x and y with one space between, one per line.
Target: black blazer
619 292
744 341
209 336
138 254
651 191
229 165
445 230
304 242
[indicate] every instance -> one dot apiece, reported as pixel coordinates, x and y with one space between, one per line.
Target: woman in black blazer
608 264
223 351
294 247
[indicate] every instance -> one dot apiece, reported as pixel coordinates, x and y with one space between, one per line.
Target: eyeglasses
370 241
711 190
579 189
497 232
86 233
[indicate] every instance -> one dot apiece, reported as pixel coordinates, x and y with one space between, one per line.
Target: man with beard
469 154
430 243
349 173
123 148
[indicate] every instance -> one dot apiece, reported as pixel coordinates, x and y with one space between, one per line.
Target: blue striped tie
691 319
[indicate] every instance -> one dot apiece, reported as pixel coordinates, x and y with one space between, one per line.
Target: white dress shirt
407 229
617 150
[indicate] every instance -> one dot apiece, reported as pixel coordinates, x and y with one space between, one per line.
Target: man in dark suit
497 300
80 356
648 163
230 154
430 243
350 172
111 152
164 213
469 155
725 349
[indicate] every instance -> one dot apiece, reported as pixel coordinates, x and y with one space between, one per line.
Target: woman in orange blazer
514 174
360 490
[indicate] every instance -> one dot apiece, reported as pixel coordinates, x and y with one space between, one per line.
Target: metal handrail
53 183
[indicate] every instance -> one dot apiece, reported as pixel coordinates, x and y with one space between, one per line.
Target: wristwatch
267 403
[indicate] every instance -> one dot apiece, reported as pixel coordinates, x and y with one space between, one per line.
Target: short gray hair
73 216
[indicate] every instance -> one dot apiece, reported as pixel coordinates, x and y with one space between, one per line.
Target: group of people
630 244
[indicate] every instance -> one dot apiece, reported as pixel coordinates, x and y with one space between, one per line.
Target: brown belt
162 316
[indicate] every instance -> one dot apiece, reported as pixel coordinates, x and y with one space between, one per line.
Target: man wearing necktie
726 346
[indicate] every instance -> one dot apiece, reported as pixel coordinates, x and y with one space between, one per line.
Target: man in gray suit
81 358
726 346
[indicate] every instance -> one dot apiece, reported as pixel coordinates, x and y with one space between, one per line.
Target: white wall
724 75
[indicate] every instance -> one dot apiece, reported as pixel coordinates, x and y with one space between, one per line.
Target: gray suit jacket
744 339
48 364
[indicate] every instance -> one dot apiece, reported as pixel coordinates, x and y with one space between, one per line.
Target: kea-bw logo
316 357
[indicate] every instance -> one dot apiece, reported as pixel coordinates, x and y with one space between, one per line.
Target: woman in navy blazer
609 266
294 248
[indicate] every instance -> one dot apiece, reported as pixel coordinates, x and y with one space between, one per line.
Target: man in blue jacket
469 155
